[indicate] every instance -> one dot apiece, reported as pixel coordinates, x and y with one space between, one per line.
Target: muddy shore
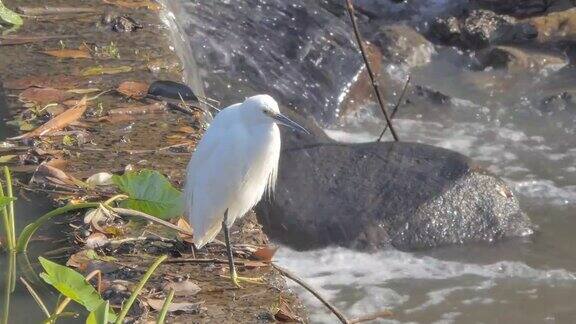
95 53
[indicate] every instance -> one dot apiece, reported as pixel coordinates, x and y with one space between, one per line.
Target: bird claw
237 279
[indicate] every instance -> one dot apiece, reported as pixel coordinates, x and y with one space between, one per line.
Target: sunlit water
301 52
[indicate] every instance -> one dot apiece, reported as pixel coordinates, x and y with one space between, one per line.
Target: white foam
336 271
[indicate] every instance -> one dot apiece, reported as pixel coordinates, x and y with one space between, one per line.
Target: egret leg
233 275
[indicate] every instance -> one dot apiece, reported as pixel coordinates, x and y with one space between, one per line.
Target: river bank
106 51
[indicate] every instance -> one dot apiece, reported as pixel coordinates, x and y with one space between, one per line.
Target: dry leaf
183 224
186 130
117 119
156 108
133 89
183 288
41 81
190 308
265 253
44 96
59 122
69 53
45 173
100 70
96 240
100 179
134 4
285 313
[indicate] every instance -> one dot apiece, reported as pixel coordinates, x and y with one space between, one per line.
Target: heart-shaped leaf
150 192
71 284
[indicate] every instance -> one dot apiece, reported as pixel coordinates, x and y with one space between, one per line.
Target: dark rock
479 29
559 103
368 196
172 90
120 23
403 44
125 24
445 30
514 7
507 57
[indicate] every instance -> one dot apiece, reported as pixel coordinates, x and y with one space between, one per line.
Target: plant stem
30 229
10 195
36 297
164 310
6 222
136 291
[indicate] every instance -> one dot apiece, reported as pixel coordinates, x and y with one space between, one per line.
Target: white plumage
234 164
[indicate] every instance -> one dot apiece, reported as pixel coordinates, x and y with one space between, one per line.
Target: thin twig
301 282
36 297
350 9
396 106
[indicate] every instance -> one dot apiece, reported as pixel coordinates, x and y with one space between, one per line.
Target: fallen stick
301 282
47 10
396 106
350 9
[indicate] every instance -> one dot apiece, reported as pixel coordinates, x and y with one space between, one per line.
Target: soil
101 143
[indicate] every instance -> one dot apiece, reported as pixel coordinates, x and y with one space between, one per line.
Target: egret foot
236 280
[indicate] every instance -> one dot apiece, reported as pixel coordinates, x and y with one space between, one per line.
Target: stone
404 45
479 29
513 7
555 26
508 57
375 195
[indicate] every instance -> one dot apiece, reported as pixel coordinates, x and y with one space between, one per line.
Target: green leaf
4 201
71 284
100 314
10 16
150 192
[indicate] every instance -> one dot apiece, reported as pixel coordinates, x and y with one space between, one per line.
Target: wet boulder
479 29
402 44
516 58
523 8
555 27
374 195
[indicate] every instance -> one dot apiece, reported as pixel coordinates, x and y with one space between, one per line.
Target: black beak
283 120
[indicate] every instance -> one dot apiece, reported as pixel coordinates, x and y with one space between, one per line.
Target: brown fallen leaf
45 173
134 4
59 122
44 96
69 53
182 288
133 89
96 240
43 81
186 130
265 253
117 119
189 308
285 313
183 224
155 108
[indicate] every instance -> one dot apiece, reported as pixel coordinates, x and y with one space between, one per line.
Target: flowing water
302 52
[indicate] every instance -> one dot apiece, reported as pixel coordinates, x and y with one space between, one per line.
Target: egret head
263 108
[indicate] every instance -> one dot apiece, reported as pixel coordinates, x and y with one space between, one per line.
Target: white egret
235 162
